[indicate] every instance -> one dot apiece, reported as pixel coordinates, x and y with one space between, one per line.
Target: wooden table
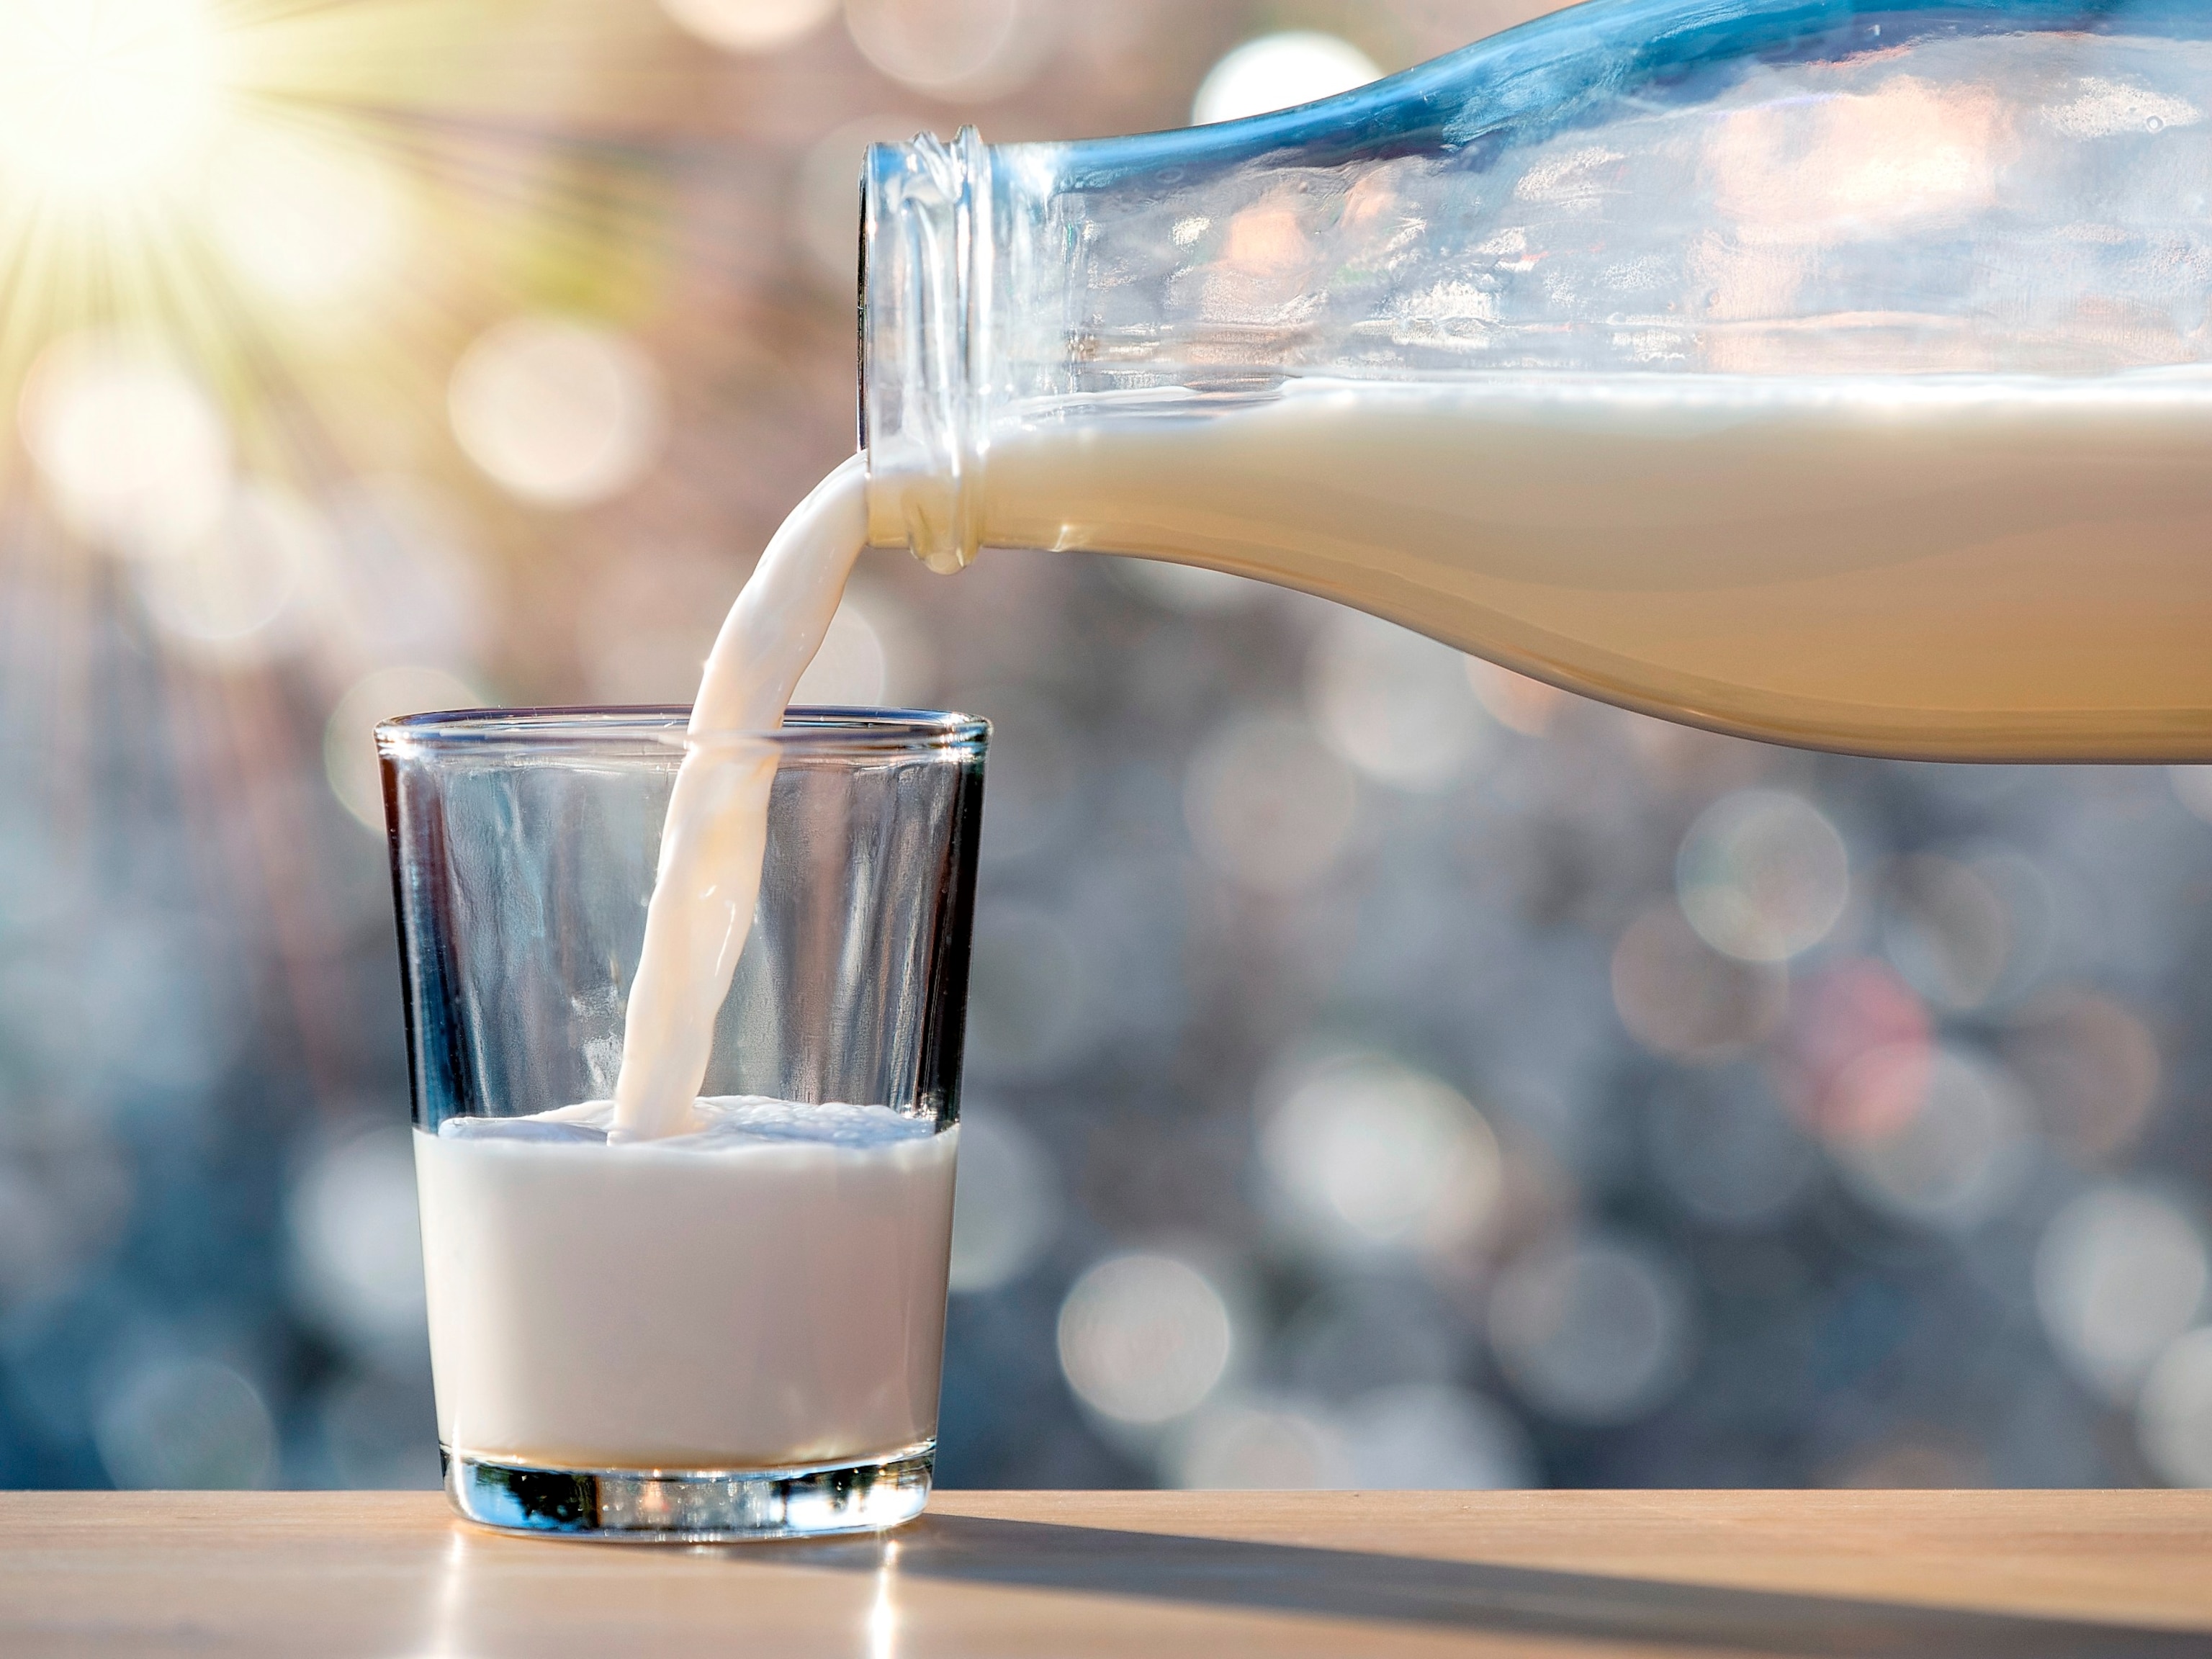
1062 1575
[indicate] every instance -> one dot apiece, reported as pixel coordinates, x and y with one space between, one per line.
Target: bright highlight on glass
561 413
1277 71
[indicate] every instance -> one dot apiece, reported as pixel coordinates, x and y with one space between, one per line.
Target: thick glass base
691 1506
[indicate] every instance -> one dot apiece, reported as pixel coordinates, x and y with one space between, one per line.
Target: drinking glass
725 1336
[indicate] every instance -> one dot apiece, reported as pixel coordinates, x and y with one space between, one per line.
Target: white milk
1941 565
766 1292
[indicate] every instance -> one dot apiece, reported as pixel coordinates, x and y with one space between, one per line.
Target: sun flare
102 99
243 245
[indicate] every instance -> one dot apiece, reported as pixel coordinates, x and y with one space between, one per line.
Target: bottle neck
925 313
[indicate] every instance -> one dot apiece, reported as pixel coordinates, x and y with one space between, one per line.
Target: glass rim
824 729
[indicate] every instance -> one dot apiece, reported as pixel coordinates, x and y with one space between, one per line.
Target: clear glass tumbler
731 1333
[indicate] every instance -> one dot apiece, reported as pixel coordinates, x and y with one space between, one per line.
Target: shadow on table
1471 1596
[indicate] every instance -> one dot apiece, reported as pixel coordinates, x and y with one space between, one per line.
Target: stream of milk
716 832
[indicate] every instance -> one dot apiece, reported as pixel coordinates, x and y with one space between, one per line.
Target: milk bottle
1840 375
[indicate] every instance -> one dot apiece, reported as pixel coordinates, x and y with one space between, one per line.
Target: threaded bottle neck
926 255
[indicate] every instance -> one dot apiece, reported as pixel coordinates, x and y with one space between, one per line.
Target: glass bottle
1830 373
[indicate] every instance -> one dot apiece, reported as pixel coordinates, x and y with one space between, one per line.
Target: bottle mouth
926 250
659 731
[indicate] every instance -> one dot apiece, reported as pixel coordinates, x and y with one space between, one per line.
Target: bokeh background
1384 1071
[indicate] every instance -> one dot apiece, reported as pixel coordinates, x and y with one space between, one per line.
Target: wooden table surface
1044 1575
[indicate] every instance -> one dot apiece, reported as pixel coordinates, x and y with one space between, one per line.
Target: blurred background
1385 1071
